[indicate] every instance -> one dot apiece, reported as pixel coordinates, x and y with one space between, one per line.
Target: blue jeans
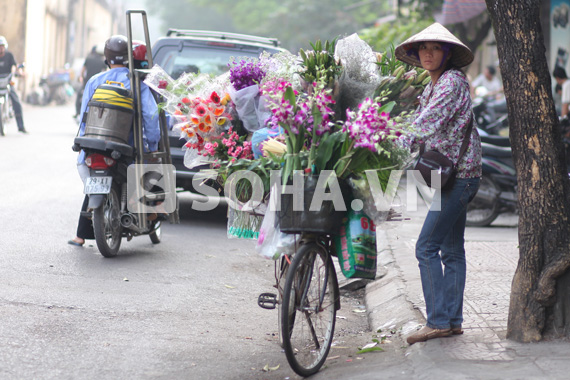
443 231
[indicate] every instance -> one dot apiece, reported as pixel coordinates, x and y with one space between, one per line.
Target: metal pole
137 128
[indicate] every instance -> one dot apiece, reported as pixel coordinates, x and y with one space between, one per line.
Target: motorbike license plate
98 185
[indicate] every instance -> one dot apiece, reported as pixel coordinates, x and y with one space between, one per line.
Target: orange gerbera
219 111
208 119
190 132
195 119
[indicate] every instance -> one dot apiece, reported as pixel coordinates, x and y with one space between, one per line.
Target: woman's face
431 54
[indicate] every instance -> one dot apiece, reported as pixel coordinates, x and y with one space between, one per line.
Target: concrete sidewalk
395 302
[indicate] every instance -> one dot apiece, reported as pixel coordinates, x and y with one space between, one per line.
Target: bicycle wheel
310 300
282 276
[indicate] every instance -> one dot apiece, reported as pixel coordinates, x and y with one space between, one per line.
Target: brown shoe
427 333
457 330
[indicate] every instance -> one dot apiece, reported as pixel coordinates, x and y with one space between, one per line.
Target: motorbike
498 187
487 118
114 115
56 87
6 110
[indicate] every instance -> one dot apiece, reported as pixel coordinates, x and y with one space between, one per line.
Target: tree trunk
540 294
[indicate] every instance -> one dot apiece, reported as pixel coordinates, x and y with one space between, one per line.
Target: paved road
183 309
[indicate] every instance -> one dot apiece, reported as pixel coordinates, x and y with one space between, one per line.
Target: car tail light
99 161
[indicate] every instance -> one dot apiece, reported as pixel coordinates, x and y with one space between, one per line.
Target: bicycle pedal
86 214
267 300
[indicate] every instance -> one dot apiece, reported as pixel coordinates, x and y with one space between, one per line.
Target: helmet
139 50
3 41
139 55
116 50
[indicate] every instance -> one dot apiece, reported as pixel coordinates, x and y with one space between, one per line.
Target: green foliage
293 22
189 14
388 34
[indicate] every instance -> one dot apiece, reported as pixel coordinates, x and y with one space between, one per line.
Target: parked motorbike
56 87
498 188
487 118
6 110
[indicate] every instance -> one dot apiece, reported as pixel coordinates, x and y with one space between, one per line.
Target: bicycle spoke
312 292
312 329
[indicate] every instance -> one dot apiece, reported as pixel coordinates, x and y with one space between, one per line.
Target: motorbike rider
116 57
8 65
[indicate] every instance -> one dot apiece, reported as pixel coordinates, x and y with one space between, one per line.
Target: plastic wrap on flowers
246 101
360 75
377 210
192 158
243 225
159 81
199 107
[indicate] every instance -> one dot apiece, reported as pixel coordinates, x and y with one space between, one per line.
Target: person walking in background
94 64
8 65
561 79
443 120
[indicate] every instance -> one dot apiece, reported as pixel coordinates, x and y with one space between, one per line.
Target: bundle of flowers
400 83
245 73
199 106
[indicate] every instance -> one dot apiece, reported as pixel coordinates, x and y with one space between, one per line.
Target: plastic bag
271 242
246 101
355 246
261 135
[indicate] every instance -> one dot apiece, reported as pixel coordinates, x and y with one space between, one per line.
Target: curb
387 305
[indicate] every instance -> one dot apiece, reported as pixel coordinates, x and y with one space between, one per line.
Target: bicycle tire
308 329
282 273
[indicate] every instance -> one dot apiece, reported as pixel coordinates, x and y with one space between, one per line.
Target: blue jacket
151 126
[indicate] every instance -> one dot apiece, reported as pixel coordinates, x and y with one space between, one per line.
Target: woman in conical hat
443 121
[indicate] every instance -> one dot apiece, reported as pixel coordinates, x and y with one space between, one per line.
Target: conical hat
461 54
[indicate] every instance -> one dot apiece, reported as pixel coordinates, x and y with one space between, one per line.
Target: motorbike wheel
484 208
156 234
107 225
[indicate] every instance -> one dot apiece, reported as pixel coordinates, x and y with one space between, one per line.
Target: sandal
73 242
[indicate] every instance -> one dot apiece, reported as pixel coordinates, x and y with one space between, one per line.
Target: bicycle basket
327 220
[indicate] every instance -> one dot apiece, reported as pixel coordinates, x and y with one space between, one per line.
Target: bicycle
307 298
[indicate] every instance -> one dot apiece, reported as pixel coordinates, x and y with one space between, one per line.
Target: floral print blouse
443 118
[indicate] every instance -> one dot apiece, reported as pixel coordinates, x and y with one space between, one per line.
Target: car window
197 59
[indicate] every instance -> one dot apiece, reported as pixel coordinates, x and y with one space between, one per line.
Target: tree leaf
370 349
